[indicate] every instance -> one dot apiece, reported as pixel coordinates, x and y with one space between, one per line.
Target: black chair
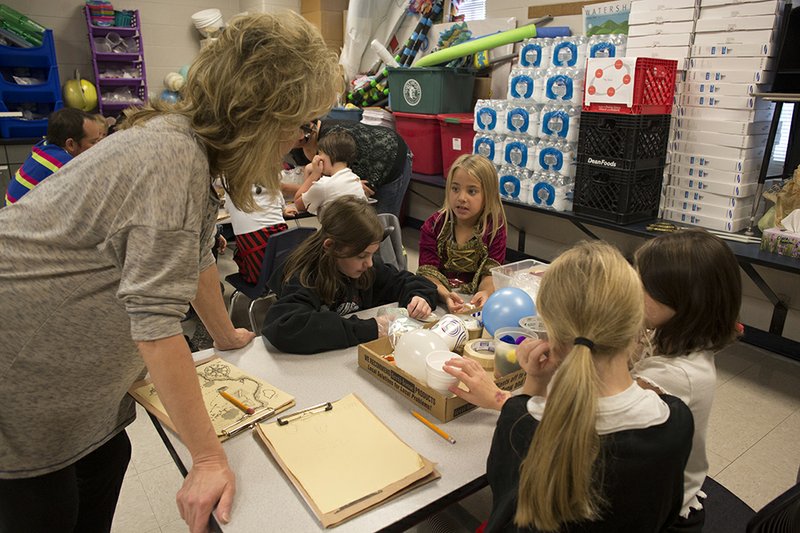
781 515
278 248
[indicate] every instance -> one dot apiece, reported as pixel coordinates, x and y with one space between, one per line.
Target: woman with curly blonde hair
114 250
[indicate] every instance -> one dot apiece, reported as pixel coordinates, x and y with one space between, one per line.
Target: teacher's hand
240 338
210 483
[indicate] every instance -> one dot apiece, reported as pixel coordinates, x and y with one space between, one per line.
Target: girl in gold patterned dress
463 240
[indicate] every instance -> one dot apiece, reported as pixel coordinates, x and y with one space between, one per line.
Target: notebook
214 374
343 459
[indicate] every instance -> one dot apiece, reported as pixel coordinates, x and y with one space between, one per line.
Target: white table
267 501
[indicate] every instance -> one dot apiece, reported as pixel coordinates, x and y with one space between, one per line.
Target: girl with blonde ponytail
583 448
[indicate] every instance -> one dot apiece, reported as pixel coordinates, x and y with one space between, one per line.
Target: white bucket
208 22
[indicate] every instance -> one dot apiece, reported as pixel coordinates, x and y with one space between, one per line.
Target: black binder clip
321 408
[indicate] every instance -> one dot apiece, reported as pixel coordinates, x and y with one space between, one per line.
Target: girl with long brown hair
332 274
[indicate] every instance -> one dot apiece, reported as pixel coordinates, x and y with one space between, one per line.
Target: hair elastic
583 341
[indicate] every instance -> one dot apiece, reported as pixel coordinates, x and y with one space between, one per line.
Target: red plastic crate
653 89
457 136
421 134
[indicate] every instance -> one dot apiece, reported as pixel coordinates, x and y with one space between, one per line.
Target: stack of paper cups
437 378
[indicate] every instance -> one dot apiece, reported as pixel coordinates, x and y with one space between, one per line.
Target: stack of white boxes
721 129
662 29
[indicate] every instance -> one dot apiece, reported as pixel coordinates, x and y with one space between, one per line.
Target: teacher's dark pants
81 497
390 196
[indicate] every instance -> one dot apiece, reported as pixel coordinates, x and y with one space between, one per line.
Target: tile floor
753 435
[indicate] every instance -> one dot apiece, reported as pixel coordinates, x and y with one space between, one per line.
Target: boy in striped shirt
69 132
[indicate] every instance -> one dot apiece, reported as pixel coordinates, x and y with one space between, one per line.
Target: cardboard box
734 37
721 89
710 210
720 224
659 17
656 41
781 242
713 113
724 101
660 5
445 407
722 139
728 76
726 63
760 22
677 53
329 24
664 28
724 189
713 174
718 163
713 150
749 9
679 193
307 6
728 127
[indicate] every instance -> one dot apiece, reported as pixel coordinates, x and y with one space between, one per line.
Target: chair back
391 248
278 248
781 515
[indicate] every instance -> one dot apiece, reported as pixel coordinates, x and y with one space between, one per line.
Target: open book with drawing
234 399
343 459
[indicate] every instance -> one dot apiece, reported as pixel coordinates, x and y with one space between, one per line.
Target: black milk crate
621 196
623 142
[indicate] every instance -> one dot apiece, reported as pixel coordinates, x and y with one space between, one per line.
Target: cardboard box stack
721 128
329 17
662 29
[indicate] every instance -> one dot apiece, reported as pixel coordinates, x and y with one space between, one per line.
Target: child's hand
290 211
482 390
222 244
418 307
369 192
479 298
316 166
454 302
537 360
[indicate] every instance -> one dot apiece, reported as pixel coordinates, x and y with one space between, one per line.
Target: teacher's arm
211 482
211 309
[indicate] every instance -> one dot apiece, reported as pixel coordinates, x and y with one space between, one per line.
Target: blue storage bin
38 57
11 128
48 91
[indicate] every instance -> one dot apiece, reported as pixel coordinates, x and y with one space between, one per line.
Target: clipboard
342 459
228 420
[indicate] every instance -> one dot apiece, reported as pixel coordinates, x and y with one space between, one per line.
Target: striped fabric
44 160
250 251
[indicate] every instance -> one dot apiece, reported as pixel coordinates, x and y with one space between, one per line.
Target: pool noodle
478 45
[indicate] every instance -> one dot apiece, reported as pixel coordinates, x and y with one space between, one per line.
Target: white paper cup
437 378
453 330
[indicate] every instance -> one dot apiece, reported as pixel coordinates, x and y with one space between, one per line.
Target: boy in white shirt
329 175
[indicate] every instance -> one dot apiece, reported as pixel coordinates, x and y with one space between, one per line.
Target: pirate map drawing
232 397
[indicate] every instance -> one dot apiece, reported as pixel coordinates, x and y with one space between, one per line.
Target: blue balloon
505 307
169 96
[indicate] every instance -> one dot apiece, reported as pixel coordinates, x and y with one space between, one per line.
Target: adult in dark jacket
383 160
332 274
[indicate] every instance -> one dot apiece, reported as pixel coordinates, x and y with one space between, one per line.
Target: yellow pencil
433 427
235 401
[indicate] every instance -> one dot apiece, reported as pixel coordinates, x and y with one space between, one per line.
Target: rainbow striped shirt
45 159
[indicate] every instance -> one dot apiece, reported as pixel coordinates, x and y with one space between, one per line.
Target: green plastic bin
431 90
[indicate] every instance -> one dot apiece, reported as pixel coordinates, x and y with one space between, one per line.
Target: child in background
103 123
252 230
462 241
329 175
331 274
693 292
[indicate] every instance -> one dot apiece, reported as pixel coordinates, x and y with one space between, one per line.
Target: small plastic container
534 324
437 378
505 353
503 275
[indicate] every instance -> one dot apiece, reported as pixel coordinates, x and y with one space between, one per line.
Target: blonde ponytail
590 291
